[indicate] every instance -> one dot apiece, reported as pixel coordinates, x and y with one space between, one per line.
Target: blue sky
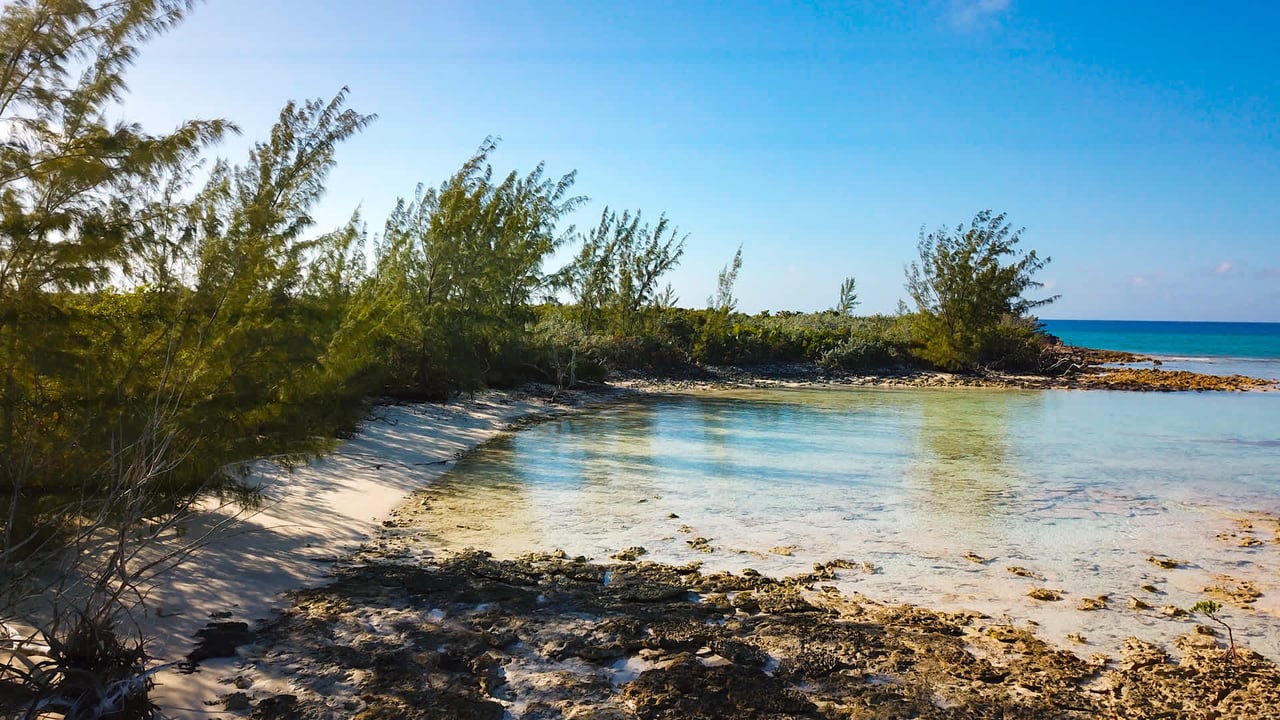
1138 143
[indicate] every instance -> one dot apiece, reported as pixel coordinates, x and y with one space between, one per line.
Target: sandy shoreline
311 516
327 510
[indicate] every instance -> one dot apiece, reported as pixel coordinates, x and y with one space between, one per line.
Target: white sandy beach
310 516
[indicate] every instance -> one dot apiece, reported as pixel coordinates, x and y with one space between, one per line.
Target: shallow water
1079 487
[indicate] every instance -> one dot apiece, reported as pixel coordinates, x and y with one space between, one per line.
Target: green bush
1014 345
875 343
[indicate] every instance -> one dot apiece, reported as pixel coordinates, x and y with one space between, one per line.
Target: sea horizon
1211 347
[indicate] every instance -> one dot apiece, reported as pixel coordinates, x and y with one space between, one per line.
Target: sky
1137 142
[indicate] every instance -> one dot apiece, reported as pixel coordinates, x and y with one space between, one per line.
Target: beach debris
1093 603
701 544
1023 572
1167 563
1137 604
783 550
1040 593
972 556
630 554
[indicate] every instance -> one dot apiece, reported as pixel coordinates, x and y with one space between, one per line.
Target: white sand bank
311 515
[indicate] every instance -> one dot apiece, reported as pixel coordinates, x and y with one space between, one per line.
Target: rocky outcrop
549 636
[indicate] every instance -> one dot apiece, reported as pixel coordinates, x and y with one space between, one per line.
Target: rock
242 683
1240 593
1165 562
972 556
1174 611
277 707
1098 603
1023 572
1137 604
219 640
630 554
783 550
1077 638
701 544
236 701
1140 653
1046 594
1149 588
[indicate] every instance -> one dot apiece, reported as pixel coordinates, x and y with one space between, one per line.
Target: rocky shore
1082 369
396 634
548 636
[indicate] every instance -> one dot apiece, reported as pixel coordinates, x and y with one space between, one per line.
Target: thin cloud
973 14
1138 281
1223 268
1269 273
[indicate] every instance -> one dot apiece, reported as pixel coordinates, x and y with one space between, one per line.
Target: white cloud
1138 281
976 13
1223 268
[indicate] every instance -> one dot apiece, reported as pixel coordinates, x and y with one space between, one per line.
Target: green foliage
456 271
613 280
1210 609
714 343
723 301
1207 607
963 289
848 297
875 343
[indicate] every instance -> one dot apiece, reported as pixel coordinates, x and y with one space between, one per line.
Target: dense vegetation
163 321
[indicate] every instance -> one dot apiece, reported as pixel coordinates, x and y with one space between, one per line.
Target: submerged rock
1165 562
1093 603
1046 594
630 554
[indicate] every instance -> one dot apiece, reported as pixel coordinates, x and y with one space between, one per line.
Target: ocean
1217 348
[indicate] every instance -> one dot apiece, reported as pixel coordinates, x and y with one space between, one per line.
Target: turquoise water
1212 347
1080 487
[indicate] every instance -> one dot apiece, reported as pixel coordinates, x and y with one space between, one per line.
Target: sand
311 515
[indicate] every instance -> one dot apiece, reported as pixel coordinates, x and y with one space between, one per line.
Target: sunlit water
1080 487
